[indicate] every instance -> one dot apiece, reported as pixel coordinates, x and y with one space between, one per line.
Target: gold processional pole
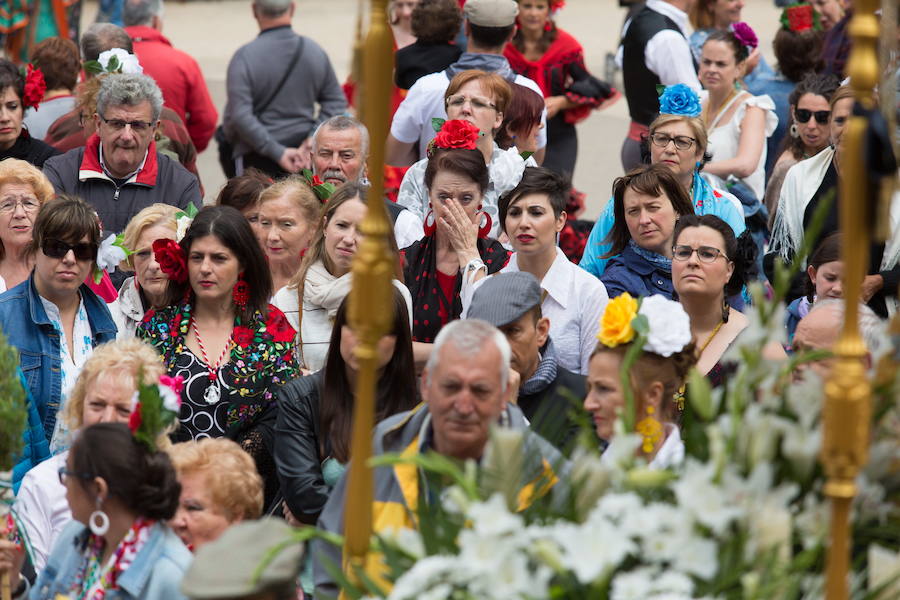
847 411
371 302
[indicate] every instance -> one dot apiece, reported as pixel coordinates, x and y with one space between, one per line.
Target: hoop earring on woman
485 228
794 131
429 227
241 292
98 521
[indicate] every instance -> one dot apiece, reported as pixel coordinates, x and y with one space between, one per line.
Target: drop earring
98 521
651 431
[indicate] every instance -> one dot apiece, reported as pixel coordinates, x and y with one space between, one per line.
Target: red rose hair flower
800 17
457 134
170 256
35 87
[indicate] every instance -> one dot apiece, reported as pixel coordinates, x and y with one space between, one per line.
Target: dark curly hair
11 77
825 85
741 251
436 21
798 53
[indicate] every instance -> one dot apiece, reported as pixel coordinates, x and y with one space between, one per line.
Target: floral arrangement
171 258
679 99
154 408
35 87
453 134
322 189
745 35
115 60
800 17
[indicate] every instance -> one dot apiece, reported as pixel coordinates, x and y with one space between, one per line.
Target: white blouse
42 507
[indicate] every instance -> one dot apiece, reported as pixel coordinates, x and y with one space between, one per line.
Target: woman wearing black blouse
15 142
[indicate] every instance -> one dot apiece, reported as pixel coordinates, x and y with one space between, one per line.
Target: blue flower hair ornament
679 99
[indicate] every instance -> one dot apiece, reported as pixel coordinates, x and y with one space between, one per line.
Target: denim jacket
155 573
27 327
632 273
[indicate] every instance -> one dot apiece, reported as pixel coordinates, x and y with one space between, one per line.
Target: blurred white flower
703 499
170 398
633 585
593 549
670 326
127 63
698 556
109 256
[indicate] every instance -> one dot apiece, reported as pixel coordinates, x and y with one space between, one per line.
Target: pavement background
211 31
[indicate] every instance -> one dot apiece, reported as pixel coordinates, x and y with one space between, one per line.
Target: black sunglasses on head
58 249
803 115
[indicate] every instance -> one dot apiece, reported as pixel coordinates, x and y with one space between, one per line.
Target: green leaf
120 243
97 275
93 67
113 65
437 123
700 395
660 89
525 155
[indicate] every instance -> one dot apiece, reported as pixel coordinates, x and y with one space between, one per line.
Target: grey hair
101 37
272 8
871 327
469 337
141 12
129 90
342 123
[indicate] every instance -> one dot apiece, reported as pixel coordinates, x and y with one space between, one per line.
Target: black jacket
420 59
298 459
30 150
550 410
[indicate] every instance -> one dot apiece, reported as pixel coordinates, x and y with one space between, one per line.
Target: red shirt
179 77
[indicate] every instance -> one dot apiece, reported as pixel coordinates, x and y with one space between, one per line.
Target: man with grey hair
119 171
176 73
465 389
273 85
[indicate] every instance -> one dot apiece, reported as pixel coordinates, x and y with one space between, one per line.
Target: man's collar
91 168
676 14
145 33
128 177
273 29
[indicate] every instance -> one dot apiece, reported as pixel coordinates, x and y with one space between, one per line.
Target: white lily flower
128 63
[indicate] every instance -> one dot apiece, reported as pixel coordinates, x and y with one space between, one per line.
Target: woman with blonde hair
102 394
287 215
146 289
23 189
219 487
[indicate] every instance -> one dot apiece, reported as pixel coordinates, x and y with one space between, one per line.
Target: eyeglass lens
58 249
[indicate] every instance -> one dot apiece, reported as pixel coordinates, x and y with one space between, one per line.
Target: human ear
561 221
811 271
543 331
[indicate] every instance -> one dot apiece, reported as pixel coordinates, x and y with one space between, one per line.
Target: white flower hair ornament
183 220
115 60
669 326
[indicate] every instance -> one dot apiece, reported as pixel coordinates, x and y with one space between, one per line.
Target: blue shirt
632 273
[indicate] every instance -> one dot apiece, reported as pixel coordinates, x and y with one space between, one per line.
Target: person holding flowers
476 102
103 393
121 490
644 353
16 94
220 334
678 139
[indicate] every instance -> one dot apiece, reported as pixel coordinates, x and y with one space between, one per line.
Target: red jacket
179 77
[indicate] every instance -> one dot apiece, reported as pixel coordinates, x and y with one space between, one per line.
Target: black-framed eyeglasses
119 124
682 142
803 115
706 254
65 473
58 249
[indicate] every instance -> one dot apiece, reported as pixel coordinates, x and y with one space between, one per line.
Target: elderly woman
102 394
481 99
219 487
23 189
455 246
220 334
648 202
146 289
678 140
287 215
53 318
324 277
58 60
15 141
121 492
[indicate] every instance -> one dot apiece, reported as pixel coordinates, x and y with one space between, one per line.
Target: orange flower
615 324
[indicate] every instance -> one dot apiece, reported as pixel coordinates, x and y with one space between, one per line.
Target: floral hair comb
322 189
745 35
800 17
453 134
678 99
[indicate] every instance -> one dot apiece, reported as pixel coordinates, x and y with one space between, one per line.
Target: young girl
826 272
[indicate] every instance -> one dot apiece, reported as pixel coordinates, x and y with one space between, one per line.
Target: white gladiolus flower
703 499
128 63
670 326
633 585
698 556
587 549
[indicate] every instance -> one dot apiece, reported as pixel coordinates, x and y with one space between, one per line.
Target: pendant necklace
213 393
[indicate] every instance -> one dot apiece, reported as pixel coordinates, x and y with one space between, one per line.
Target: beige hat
492 13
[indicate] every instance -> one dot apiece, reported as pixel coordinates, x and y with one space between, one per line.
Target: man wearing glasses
119 171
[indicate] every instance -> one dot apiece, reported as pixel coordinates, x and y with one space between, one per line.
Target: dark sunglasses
58 249
802 115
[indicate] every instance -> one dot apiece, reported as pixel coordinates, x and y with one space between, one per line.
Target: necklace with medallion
679 395
213 392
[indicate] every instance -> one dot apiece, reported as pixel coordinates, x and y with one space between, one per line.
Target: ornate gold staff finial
371 304
847 411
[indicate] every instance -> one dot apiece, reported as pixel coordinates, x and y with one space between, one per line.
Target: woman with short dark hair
220 334
58 59
15 140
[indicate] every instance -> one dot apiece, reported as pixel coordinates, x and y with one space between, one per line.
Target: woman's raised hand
460 231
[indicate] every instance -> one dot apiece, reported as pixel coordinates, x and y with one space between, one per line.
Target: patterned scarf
94 580
545 373
657 260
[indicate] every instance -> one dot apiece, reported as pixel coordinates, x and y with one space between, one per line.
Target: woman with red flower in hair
220 334
476 102
16 94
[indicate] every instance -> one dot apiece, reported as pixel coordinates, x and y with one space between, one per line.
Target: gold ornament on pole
371 304
847 411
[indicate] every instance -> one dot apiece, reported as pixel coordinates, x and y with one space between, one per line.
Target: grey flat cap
492 13
504 298
227 567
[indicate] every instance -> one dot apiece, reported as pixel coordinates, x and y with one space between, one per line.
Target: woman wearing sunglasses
53 318
809 131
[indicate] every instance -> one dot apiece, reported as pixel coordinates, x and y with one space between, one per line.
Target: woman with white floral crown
655 375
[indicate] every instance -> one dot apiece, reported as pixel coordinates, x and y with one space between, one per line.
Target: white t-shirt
425 101
42 507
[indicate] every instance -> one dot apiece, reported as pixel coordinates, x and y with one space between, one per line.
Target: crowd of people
115 276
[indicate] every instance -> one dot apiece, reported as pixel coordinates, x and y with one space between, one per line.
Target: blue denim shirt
632 273
155 573
27 327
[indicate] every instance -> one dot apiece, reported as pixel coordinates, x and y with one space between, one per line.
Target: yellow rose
615 324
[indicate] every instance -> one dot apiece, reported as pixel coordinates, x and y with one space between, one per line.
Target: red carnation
800 18
134 421
242 336
35 87
170 256
278 326
457 134
316 180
